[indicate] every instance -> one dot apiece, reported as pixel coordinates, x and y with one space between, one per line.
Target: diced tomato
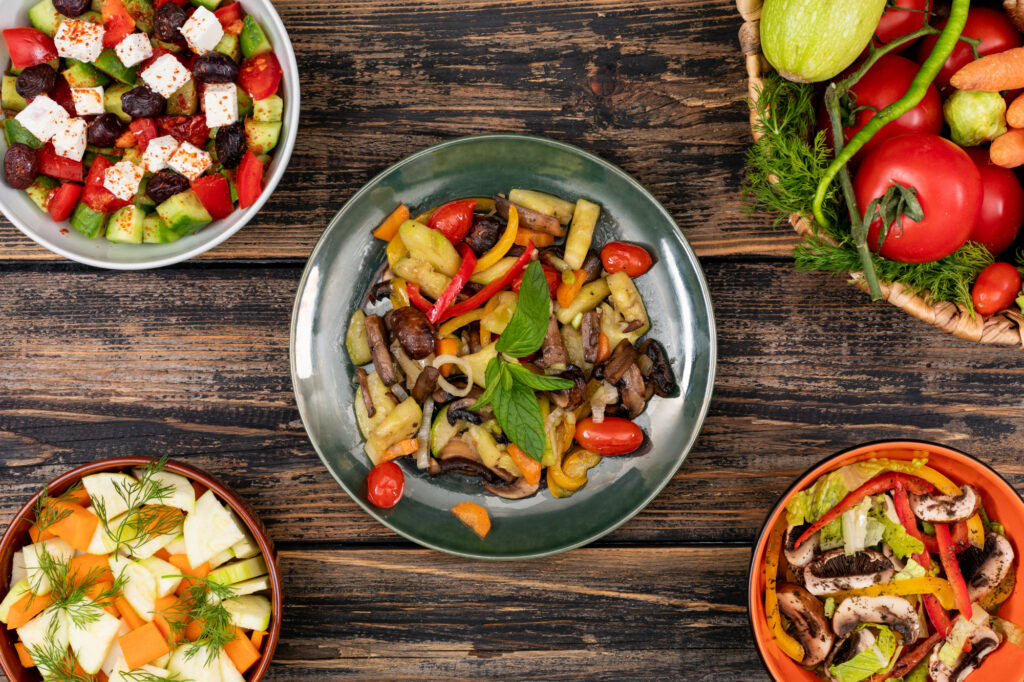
29 47
57 166
61 94
145 132
215 194
63 201
250 180
261 75
96 196
117 22
191 129
229 14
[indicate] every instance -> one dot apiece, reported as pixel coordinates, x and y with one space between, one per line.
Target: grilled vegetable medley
501 354
140 121
887 569
139 575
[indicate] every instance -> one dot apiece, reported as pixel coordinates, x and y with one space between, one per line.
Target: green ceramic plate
347 260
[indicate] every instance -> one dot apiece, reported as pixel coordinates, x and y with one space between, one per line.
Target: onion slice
453 390
423 453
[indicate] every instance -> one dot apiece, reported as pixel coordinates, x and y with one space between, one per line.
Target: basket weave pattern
1005 328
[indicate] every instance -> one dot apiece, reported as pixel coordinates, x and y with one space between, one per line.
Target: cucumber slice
263 136
238 572
253 40
48 629
55 548
155 231
40 191
244 103
18 134
441 431
180 493
87 221
210 530
168 576
82 75
185 215
208 4
229 46
125 226
109 63
251 612
19 590
253 586
112 101
10 99
185 101
142 12
140 589
45 17
269 109
110 489
92 643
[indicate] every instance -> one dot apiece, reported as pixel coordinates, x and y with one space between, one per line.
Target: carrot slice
540 239
447 346
474 516
23 656
389 228
241 651
143 645
85 564
78 494
180 561
27 608
128 613
400 449
162 554
528 465
257 638
168 617
37 535
77 525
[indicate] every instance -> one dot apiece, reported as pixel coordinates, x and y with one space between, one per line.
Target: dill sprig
144 519
202 602
74 593
145 676
47 509
60 665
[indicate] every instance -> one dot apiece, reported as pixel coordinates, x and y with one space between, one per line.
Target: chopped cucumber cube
240 571
125 226
91 643
17 591
269 109
185 215
87 221
109 489
251 612
253 39
40 190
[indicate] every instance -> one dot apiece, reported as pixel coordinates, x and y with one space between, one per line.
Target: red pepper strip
456 285
953 575
482 296
877 485
416 298
909 660
961 539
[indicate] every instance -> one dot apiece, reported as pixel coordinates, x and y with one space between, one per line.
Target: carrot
77 525
180 561
143 645
603 347
27 608
566 292
128 613
474 516
194 630
168 616
528 465
389 228
26 660
84 564
102 676
540 239
37 535
241 651
78 494
162 554
1007 150
400 449
1015 113
257 638
447 346
992 73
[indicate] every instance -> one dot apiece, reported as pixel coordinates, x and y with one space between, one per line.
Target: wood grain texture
654 87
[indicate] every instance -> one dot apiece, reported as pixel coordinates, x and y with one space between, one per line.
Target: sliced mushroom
425 384
633 392
661 369
460 410
1015 10
612 369
804 554
377 337
413 330
935 508
514 491
984 641
593 266
364 390
529 218
847 648
590 330
473 337
836 571
896 612
808 618
458 456
484 234
570 398
380 290
984 569
552 351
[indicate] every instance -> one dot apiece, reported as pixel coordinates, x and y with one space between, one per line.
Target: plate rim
705 295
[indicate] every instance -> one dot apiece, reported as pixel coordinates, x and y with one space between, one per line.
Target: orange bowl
17 536
1001 502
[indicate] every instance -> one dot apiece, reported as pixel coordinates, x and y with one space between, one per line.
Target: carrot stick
180 561
1007 150
447 346
27 608
528 465
143 645
84 564
241 651
127 612
389 228
37 535
1015 113
540 239
26 660
166 615
992 73
603 347
400 449
474 516
257 638
78 495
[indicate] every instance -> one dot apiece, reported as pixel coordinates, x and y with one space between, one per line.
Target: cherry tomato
29 47
902 18
454 219
1002 204
948 187
191 129
996 288
613 436
385 485
886 82
619 256
992 27
261 75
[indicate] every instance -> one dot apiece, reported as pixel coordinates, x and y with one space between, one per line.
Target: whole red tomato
619 256
453 219
613 436
947 185
991 26
385 485
1002 204
996 288
900 19
887 81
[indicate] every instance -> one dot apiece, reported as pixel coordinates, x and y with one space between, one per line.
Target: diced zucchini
253 40
112 101
17 591
355 339
11 100
179 491
251 612
441 431
245 548
382 403
478 363
185 101
581 233
181 666
18 134
399 424
430 282
628 302
41 190
210 530
168 577
82 75
269 109
91 642
543 203
45 17
229 46
110 64
48 629
239 571
140 589
498 318
590 297
262 136
87 221
184 213
251 586
430 246
125 226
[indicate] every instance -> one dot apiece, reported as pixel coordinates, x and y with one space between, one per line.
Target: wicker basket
1005 328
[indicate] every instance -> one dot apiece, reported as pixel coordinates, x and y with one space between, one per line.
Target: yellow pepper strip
556 490
562 480
789 646
504 243
396 251
901 588
399 293
975 527
446 346
389 228
579 463
456 323
485 332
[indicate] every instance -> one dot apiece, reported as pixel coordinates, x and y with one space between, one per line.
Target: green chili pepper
929 70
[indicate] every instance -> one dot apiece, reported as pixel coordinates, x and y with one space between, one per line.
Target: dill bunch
202 602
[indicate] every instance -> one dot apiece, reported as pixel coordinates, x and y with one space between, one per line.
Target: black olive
142 102
71 8
35 80
20 166
230 145
167 22
104 130
165 185
214 67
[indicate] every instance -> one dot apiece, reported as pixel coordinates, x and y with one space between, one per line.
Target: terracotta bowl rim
237 503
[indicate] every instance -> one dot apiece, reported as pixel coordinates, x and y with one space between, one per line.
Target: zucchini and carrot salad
887 569
141 576
506 345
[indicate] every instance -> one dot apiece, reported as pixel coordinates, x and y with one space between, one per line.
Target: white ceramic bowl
63 239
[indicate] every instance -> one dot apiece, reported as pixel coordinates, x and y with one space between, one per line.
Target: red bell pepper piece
229 14
454 219
215 194
455 286
952 569
96 196
57 166
144 130
416 298
879 484
28 47
249 180
117 23
63 201
485 294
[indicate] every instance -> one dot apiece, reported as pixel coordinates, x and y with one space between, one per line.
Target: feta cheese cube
166 75
158 152
70 141
202 31
43 118
88 101
190 161
220 102
81 40
134 49
122 179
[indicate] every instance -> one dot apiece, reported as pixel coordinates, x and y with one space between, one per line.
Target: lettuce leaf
877 658
918 674
860 529
912 569
902 543
1011 632
799 508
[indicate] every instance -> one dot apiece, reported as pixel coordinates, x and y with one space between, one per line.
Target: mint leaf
493 379
520 418
529 324
538 382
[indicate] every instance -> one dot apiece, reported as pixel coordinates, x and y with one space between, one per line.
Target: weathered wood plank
193 363
652 86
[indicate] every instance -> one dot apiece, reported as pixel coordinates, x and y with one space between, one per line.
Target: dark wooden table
192 361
